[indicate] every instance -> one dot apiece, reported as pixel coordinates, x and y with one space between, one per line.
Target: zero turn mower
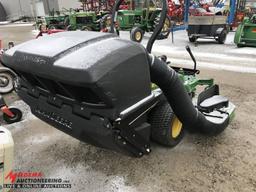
98 88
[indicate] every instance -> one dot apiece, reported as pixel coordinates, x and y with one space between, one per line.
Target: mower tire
136 34
166 129
16 118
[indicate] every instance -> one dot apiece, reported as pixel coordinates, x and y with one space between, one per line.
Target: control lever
192 57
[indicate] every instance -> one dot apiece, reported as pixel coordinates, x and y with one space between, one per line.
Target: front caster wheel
16 118
166 129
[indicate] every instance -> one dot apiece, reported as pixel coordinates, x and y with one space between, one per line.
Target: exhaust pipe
193 120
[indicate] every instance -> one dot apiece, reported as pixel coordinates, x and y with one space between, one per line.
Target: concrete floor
198 164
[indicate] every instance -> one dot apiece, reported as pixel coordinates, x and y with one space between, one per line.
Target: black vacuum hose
192 119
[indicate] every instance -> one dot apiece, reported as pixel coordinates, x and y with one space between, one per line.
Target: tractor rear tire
166 129
51 27
69 28
137 34
166 28
66 21
222 37
85 28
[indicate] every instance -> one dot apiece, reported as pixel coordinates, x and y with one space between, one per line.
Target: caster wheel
16 118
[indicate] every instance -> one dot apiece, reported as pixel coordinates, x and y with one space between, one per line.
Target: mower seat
214 102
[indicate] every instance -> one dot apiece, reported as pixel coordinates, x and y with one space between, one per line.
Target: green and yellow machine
141 17
246 32
51 22
85 20
74 20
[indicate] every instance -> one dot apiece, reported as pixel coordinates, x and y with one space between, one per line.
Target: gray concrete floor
198 164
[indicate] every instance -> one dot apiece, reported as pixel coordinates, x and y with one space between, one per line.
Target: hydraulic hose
171 85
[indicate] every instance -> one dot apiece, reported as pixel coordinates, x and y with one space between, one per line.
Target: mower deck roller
96 87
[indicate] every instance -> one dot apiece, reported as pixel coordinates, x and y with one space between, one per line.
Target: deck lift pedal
98 88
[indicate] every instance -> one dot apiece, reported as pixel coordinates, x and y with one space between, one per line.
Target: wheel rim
176 127
137 36
166 26
4 81
108 22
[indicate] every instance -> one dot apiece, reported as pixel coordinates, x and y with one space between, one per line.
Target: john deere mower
98 88
246 32
143 16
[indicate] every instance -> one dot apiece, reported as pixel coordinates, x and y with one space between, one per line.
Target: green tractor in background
74 20
51 22
85 20
55 20
246 32
142 16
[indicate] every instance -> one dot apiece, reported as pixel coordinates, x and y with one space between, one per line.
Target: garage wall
69 4
50 5
2 13
16 8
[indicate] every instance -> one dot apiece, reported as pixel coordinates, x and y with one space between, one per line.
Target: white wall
69 4
16 8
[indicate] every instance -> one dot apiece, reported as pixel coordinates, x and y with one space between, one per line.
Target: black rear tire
51 27
166 129
167 26
137 34
165 34
192 39
16 118
85 28
222 37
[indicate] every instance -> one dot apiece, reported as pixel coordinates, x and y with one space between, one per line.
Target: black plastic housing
80 82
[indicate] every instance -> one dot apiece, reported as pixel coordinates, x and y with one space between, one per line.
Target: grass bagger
113 93
246 32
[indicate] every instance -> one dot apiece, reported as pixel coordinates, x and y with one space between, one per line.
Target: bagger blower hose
192 119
